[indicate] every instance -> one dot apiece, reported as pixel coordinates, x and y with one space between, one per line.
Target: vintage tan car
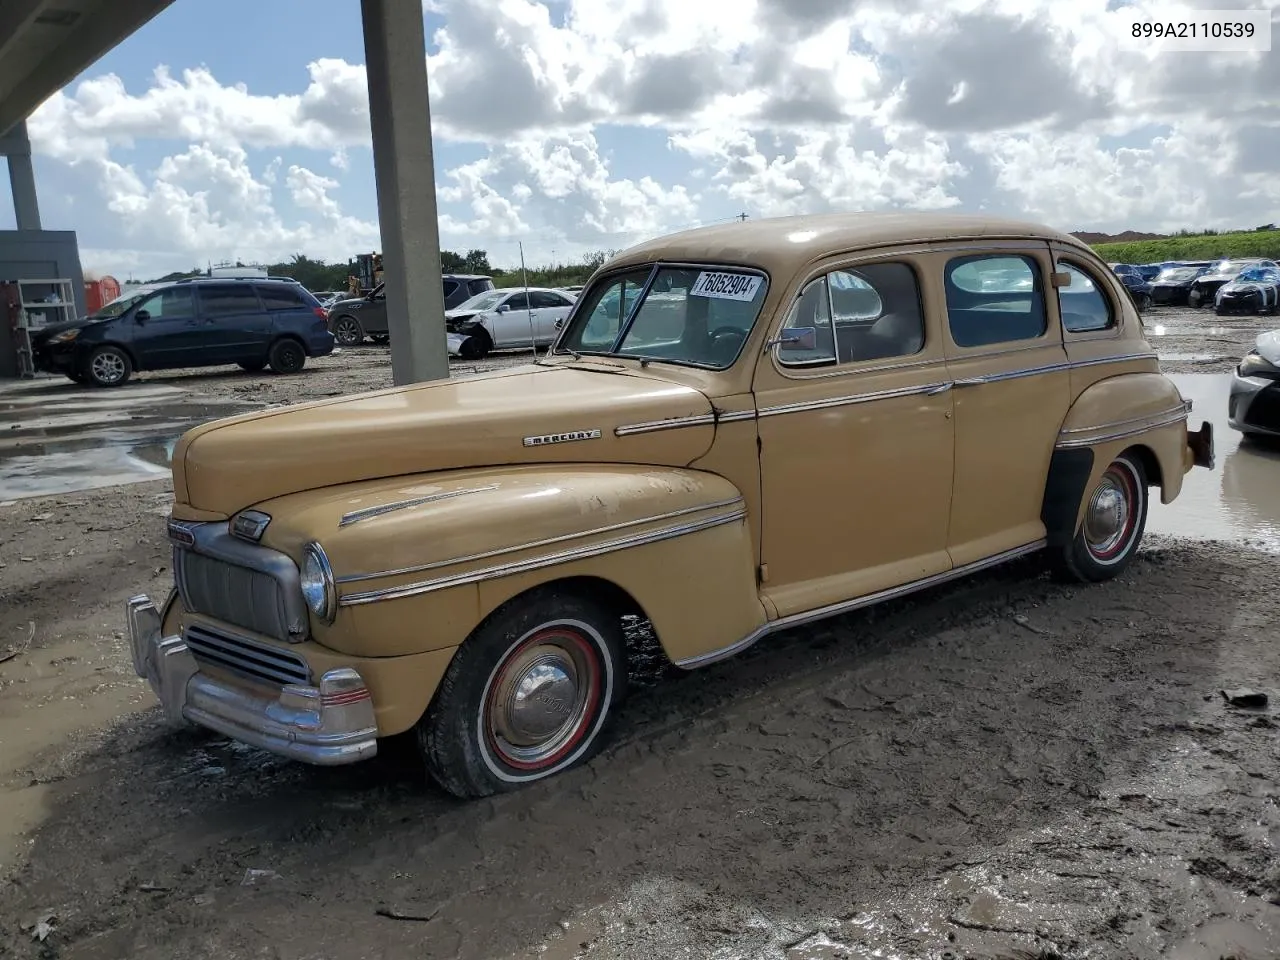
740 429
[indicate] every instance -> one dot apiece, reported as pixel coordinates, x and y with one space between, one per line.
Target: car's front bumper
1253 405
328 724
454 342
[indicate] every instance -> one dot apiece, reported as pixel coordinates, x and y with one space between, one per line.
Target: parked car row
1230 284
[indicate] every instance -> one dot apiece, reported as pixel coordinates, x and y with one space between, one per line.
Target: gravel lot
1005 767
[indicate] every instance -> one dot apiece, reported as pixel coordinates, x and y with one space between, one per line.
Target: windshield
1229 266
482 301
698 316
121 304
1177 274
1260 275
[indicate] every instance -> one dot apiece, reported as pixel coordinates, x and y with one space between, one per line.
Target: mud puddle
1238 501
58 438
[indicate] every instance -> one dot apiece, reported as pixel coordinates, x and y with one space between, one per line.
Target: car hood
1239 284
50 329
347 302
528 414
1268 345
457 313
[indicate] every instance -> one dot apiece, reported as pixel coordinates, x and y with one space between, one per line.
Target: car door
1012 389
234 325
855 437
549 312
511 327
166 332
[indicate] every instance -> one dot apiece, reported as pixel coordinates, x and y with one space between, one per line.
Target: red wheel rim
1111 516
542 699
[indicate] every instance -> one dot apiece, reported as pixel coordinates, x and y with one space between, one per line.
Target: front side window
518 301
700 316
173 304
1083 304
994 299
229 301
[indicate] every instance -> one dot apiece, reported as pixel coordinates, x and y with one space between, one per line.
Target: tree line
315 274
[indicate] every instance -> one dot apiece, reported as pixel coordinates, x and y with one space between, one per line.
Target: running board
847 606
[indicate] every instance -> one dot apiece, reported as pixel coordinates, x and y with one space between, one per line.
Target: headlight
317 583
66 336
1254 366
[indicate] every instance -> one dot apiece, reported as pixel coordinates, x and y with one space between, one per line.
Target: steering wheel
726 331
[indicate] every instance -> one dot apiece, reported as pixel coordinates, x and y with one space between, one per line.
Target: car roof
465 276
786 244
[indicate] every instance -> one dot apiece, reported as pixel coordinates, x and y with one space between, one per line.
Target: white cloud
769 106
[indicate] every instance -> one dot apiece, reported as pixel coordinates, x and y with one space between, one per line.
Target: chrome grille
246 598
246 657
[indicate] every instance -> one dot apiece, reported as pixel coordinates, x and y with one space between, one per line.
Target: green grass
559 276
1265 243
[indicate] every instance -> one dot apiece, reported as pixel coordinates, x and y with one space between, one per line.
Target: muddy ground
1006 767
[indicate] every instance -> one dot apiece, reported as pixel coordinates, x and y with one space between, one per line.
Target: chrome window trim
1153 424
537 563
367 513
1049 336
1180 408
847 606
534 544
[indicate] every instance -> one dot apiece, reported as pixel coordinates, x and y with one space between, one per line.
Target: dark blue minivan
198 322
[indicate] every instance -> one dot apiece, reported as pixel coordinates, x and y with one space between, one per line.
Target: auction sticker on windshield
725 286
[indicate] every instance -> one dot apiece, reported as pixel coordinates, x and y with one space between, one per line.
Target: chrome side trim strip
1014 374
828 402
1126 358
847 606
735 416
675 423
1076 442
534 544
1181 407
367 513
537 563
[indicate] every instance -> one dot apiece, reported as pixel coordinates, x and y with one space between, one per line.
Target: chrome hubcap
108 367
1107 520
346 331
539 701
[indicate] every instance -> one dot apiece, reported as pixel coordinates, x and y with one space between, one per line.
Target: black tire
1144 302
1194 298
381 338
1217 308
472 746
476 346
108 366
1114 520
286 356
252 366
347 331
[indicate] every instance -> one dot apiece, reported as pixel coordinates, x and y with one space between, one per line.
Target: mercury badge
566 437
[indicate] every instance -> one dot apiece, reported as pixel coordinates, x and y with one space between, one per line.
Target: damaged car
1255 290
501 319
1172 286
1253 404
1203 288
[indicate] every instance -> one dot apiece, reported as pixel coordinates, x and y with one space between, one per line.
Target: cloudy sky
240 129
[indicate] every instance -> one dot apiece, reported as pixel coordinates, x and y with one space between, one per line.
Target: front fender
421 561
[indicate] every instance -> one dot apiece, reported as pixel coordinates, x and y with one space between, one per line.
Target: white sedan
501 319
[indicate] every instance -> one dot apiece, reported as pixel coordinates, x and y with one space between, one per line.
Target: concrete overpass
46 44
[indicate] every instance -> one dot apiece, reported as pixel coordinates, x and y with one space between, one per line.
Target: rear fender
1142 411
421 561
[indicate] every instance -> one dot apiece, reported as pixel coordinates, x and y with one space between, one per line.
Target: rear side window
1083 305
541 298
229 300
282 298
994 299
450 287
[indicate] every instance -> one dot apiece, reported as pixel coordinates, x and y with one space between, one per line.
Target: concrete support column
22 178
395 53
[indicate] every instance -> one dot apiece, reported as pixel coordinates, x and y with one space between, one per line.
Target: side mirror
142 316
797 338
505 308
